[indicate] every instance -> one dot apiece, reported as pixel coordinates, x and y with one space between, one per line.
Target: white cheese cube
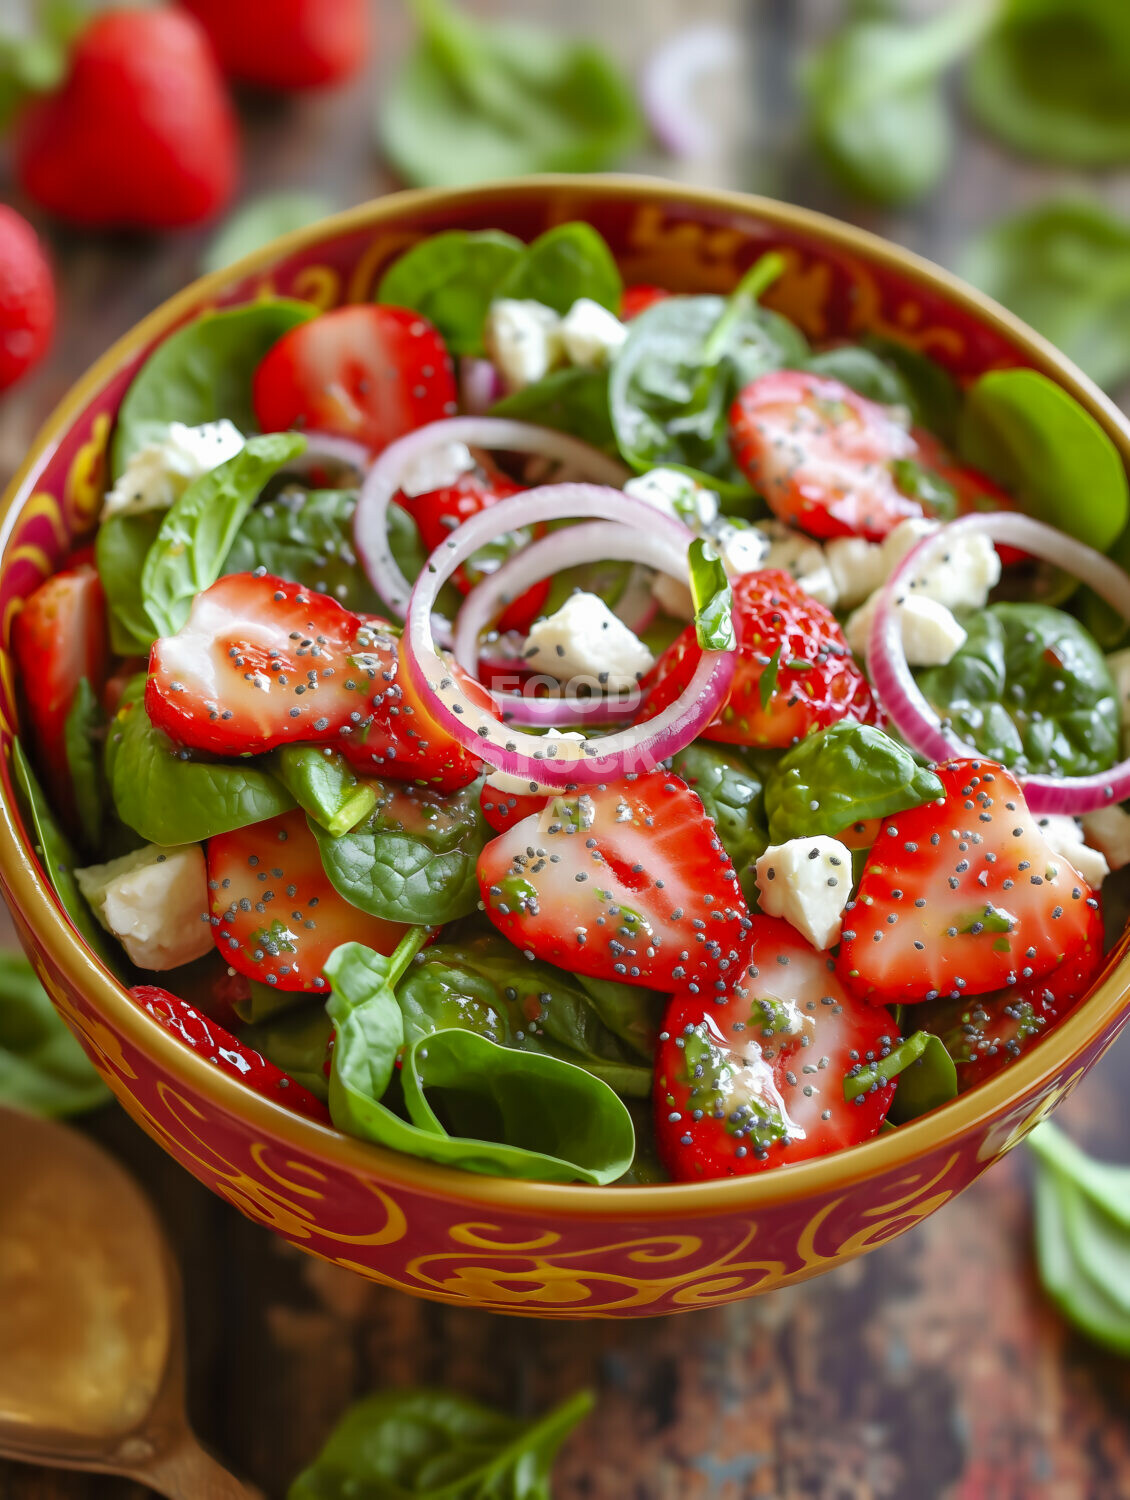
959 576
743 549
800 557
808 883
1108 831
1119 664
929 631
564 742
155 902
1064 836
591 334
676 494
158 474
436 469
585 639
858 568
523 340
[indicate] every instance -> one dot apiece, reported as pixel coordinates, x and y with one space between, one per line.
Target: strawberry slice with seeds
962 896
754 1078
503 809
275 916
627 881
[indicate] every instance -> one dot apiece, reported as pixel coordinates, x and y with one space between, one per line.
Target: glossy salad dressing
85 1322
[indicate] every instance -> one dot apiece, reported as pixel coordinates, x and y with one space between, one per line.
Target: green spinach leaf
931 392
452 278
413 858
841 775
261 220
875 105
42 1066
436 1445
713 598
864 371
306 536
926 1077
511 1114
573 400
1029 435
476 101
325 786
732 795
196 534
84 722
168 795
562 265
201 373
1031 689
120 549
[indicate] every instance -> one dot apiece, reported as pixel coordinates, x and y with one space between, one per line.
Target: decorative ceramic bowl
529 1247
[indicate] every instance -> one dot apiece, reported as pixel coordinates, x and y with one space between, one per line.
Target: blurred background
993 138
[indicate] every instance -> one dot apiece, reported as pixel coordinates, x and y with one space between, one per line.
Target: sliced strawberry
962 896
227 1052
822 455
275 915
754 1077
365 372
503 809
638 298
628 881
58 638
795 670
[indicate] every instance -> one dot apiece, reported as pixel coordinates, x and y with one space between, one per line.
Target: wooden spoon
91 1330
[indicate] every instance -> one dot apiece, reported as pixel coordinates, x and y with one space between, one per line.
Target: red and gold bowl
530 1247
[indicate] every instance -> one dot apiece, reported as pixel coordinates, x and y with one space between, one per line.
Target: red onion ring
340 450
913 716
631 750
667 87
480 385
370 520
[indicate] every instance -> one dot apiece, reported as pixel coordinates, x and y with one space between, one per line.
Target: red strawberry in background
27 297
286 44
140 134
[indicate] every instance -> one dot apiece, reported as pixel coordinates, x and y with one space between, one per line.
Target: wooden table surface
931 1368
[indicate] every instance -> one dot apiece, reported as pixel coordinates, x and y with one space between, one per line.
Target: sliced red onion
370 521
339 450
555 764
671 77
480 385
903 700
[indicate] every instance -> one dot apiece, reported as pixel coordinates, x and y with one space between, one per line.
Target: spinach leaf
452 278
1083 1236
83 723
731 793
513 1114
1038 442
627 1010
120 549
306 536
876 110
481 100
413 858
42 1066
675 377
170 796
325 786
1053 79
433 1444
59 860
864 371
925 1072
841 775
713 598
1062 265
265 1001
297 1038
487 986
1031 689
931 392
201 373
196 533
260 221
574 400
562 265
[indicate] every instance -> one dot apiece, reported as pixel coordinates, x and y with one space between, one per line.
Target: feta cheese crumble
515 786
155 902
1108 831
158 474
1064 837
523 340
676 494
800 557
590 334
808 883
436 469
585 639
931 634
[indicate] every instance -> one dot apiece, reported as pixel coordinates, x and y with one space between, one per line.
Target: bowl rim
902 1148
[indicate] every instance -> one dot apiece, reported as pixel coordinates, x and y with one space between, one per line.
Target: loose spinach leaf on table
562 265
196 533
413 858
83 723
511 1114
876 110
486 985
306 536
169 796
452 278
436 1445
260 221
1030 688
1029 435
478 100
201 373
685 359
1083 1236
42 1066
325 786
574 400
120 550
1063 266
1052 79
841 775
732 795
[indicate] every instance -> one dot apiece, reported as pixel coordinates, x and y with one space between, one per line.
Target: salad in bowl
584 732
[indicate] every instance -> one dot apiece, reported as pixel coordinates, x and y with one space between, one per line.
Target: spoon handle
189 1473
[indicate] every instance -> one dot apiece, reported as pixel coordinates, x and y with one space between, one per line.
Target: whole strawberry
286 44
140 135
27 297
